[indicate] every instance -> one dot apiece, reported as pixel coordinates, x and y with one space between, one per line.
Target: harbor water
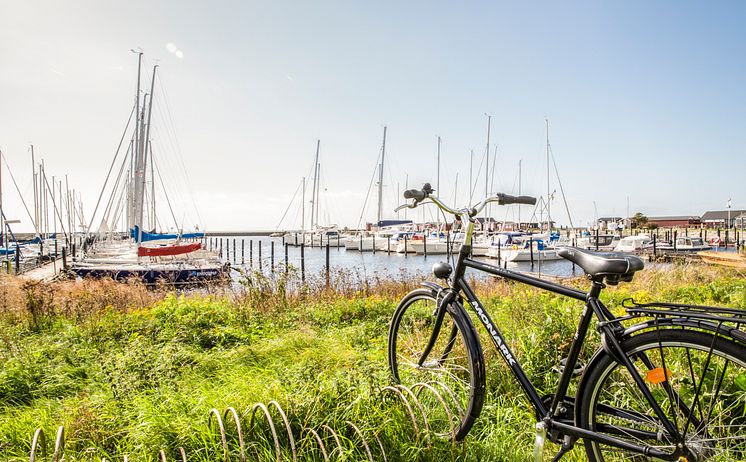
364 265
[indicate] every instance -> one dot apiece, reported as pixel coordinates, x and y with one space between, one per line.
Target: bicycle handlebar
415 194
420 195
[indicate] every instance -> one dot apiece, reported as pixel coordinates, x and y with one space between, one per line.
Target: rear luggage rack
710 313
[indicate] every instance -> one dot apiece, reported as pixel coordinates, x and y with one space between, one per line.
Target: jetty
44 273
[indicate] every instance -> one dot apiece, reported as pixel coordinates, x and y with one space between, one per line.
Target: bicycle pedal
539 440
560 368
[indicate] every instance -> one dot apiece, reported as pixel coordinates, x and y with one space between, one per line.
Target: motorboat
690 244
601 242
634 244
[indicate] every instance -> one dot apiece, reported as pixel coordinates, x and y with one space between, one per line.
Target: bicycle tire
610 402
460 354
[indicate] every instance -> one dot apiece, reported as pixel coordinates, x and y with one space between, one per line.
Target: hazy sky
646 100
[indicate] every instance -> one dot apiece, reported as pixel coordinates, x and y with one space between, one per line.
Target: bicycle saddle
614 266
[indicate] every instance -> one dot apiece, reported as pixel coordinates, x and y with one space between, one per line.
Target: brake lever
406 206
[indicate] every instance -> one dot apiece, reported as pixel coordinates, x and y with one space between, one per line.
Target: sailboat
539 247
170 258
386 230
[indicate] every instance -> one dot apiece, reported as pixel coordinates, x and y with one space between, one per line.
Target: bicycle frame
610 329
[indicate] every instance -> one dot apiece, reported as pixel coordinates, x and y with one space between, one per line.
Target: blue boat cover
146 236
384 223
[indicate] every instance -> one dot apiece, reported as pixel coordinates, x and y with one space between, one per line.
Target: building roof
674 218
610 219
721 215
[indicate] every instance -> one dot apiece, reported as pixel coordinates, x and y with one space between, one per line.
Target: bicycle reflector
658 375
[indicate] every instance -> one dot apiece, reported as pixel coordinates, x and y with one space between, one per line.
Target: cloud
173 49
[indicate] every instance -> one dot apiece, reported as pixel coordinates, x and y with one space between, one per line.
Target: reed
131 370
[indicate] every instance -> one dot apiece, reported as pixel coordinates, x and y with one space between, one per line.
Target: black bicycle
670 386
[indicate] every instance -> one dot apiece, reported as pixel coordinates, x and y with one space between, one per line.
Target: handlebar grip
415 194
506 199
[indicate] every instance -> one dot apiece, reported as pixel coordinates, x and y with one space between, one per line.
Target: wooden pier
44 273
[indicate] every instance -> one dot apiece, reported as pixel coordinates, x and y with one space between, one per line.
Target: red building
680 221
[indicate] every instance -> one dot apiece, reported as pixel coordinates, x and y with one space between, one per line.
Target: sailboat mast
549 215
43 199
131 208
380 177
314 192
438 177
3 237
36 198
520 161
303 206
145 144
487 158
471 171
406 186
152 185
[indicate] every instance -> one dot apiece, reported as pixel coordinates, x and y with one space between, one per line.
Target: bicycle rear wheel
697 379
450 383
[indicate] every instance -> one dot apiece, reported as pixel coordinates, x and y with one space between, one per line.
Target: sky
645 101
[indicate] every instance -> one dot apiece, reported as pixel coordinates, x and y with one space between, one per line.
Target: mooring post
243 260
221 248
286 258
596 243
303 261
374 243
18 260
406 251
726 239
424 245
64 258
251 253
234 250
531 248
55 248
655 250
272 256
73 249
388 245
574 243
499 252
327 264
674 240
259 260
361 242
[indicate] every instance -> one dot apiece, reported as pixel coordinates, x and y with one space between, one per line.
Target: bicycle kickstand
567 444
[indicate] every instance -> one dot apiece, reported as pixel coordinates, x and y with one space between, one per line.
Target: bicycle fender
718 329
432 286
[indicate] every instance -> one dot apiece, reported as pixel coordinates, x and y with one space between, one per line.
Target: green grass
132 371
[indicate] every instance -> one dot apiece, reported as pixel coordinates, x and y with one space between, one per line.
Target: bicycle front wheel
449 384
697 379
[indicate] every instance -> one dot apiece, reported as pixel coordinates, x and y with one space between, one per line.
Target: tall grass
130 370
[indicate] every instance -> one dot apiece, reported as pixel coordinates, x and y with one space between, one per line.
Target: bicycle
671 386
